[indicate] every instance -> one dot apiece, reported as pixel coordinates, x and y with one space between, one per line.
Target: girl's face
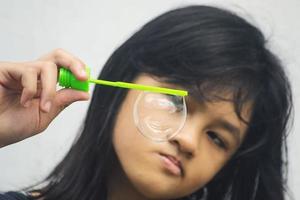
183 164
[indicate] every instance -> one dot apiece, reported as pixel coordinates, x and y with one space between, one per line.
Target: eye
216 139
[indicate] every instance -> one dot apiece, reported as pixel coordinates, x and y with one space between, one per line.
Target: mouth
171 164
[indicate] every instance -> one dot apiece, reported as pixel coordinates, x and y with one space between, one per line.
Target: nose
187 140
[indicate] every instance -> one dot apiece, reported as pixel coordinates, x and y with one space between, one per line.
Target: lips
172 164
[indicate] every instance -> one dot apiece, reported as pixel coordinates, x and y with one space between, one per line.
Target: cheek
137 158
130 146
207 163
125 134
134 153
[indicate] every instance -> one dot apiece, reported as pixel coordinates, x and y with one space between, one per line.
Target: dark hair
209 51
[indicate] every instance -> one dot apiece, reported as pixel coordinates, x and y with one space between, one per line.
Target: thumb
62 99
65 97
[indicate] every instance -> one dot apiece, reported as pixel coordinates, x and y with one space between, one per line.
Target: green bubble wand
68 80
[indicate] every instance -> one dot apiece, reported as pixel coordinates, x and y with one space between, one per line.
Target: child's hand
28 97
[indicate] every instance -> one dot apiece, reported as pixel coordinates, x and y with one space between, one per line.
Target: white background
92 30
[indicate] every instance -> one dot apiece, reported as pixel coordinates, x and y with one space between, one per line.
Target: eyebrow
232 129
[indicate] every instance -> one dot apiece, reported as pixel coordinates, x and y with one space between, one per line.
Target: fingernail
47 106
83 72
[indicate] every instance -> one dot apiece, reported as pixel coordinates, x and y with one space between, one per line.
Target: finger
48 79
29 84
62 58
62 99
66 97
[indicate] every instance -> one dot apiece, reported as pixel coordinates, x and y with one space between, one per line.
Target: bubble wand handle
67 79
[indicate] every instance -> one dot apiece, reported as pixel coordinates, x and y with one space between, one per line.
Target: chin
158 190
160 194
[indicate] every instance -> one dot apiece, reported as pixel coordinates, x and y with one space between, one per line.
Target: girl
232 142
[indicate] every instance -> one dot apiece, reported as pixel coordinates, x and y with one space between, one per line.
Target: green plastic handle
68 80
